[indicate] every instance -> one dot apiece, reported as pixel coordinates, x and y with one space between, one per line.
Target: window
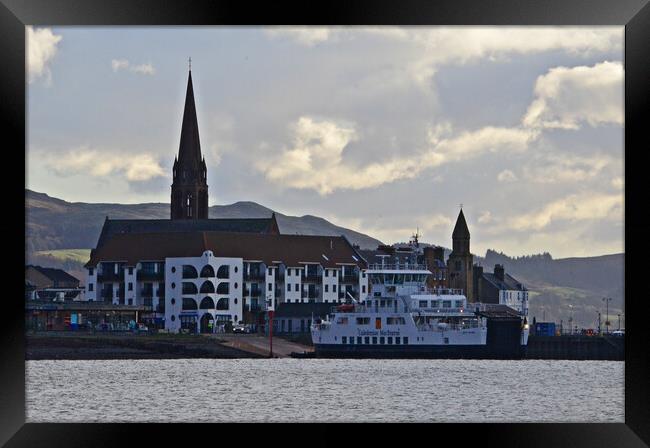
406 340
223 288
130 301
363 288
269 271
395 321
224 271
173 270
270 286
382 340
90 286
189 304
189 271
363 320
459 303
327 272
207 271
130 286
130 271
334 274
222 304
446 303
289 272
342 320
423 303
397 340
90 271
344 339
207 304
297 287
382 303
334 287
327 288
366 340
434 304
189 288
374 339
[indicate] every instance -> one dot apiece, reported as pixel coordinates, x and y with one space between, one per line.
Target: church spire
460 230
189 151
189 187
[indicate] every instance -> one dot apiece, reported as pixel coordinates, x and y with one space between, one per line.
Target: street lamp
619 322
571 319
607 300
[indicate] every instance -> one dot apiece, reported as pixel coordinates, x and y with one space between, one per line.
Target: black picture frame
634 14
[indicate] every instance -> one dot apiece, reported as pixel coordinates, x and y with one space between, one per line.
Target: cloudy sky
380 129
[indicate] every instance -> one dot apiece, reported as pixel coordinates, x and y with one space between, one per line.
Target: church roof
114 227
460 230
292 250
189 151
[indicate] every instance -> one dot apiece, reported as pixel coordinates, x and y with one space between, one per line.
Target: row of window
436 303
364 320
207 303
388 340
207 271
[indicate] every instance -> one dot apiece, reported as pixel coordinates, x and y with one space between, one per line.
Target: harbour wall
576 347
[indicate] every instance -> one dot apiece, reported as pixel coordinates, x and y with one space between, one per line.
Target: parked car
142 328
618 333
240 329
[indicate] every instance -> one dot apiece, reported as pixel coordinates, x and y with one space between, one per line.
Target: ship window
351 339
446 303
366 340
397 340
374 339
459 303
406 340
363 320
390 340
423 303
382 340
382 303
358 339
342 320
434 304
344 339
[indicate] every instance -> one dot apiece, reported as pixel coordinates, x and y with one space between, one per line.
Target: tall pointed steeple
460 230
189 188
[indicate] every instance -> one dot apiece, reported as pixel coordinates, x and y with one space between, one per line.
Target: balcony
150 276
349 278
110 276
146 293
254 275
311 277
252 292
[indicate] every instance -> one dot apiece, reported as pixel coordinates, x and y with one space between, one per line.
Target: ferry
402 317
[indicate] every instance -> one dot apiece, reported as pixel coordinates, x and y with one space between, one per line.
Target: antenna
189 61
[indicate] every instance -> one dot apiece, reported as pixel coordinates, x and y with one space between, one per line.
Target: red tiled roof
292 250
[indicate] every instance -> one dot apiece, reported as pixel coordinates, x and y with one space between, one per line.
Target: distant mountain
554 285
57 224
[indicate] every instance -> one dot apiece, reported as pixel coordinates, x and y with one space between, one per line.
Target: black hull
418 352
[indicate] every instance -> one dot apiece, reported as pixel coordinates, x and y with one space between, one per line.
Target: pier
576 347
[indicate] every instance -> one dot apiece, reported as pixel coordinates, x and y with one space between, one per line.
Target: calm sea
308 390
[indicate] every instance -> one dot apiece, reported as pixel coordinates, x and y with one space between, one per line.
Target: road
260 344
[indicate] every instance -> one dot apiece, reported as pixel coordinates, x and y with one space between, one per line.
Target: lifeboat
346 308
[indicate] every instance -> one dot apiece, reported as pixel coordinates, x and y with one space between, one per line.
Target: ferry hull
420 351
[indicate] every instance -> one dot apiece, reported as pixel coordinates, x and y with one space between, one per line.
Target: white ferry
402 318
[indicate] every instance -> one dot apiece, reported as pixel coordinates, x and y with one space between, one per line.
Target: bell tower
189 187
459 264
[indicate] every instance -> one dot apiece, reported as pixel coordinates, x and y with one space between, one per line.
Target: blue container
545 328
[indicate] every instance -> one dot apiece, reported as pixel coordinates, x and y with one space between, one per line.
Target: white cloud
506 176
485 218
555 168
103 163
315 160
567 97
617 183
124 64
308 36
42 46
575 207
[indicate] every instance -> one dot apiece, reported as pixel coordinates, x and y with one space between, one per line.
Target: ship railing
397 266
442 310
448 327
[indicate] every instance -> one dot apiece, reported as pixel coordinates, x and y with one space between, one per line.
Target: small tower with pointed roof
189 187
460 262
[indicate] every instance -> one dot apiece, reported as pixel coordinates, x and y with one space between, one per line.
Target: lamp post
619 322
571 318
607 300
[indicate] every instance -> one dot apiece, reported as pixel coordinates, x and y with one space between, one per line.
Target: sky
379 129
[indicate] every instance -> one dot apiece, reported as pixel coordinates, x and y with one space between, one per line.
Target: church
195 273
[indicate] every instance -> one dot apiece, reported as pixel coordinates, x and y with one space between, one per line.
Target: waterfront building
51 284
188 279
500 288
296 318
459 264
